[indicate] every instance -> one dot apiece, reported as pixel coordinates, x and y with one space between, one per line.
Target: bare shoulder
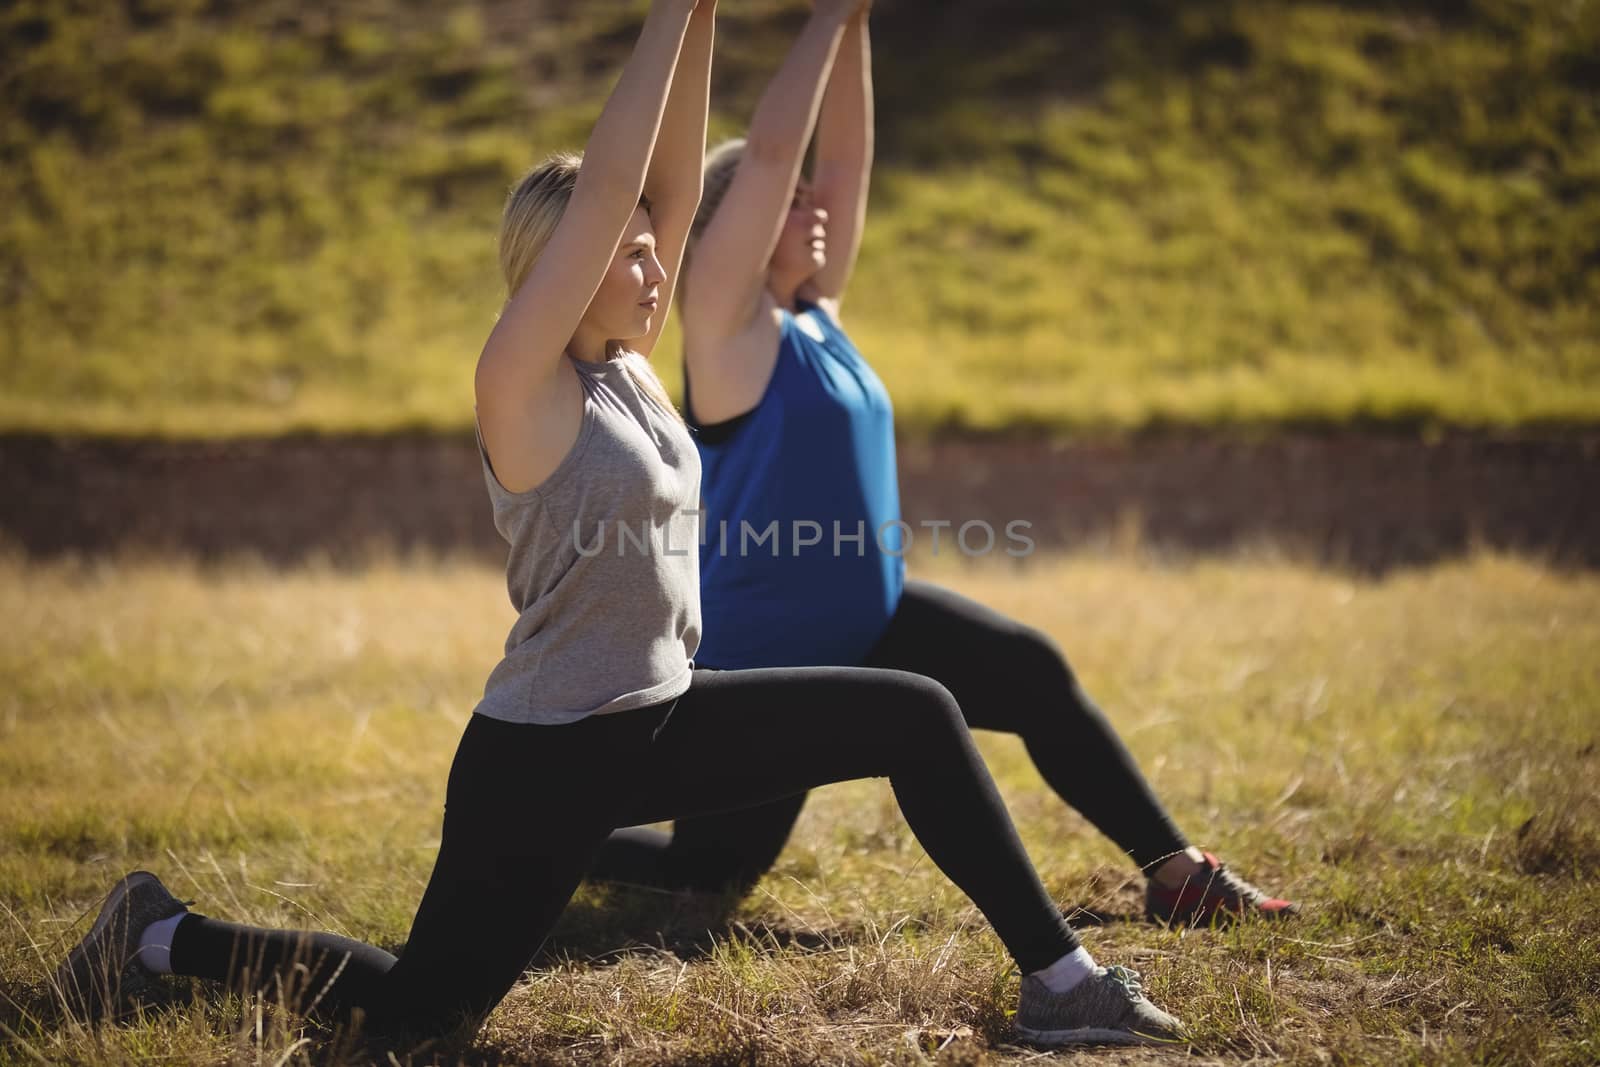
728 375
527 438
828 304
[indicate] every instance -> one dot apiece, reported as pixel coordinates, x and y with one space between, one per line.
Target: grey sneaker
102 970
1107 1008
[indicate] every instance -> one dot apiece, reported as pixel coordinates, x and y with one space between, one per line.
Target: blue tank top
816 458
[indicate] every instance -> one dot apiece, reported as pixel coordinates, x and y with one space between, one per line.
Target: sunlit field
273 218
1413 758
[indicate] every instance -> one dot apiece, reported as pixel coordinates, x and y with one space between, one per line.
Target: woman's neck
786 291
589 347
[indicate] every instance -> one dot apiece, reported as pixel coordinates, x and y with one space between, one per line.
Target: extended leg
1011 677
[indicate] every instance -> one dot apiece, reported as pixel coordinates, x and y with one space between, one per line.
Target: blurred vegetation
225 217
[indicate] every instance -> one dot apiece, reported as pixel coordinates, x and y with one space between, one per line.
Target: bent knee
1034 654
924 691
926 703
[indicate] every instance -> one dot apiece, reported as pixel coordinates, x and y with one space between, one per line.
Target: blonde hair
533 210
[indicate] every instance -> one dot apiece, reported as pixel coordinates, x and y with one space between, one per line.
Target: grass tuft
1410 757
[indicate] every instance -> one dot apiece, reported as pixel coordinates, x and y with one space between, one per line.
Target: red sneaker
1216 894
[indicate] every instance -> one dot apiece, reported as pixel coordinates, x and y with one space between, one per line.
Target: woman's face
630 294
803 245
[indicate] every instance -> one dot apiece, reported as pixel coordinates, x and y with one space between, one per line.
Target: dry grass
1414 758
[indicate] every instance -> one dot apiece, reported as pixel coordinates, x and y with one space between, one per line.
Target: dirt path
1369 500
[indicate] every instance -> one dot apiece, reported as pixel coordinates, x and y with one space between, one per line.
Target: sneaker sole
1090 1035
1223 918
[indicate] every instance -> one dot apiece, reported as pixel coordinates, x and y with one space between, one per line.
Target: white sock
155 944
1068 971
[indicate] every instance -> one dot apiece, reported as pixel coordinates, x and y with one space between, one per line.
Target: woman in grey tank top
596 718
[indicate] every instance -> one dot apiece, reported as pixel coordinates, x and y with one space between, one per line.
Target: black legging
1007 677
528 807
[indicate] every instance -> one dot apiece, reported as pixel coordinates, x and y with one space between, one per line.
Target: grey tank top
604 567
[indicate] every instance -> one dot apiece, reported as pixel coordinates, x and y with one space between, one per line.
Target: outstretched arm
844 161
730 263
520 359
676 174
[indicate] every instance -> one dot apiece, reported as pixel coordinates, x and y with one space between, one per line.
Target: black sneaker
103 969
1216 894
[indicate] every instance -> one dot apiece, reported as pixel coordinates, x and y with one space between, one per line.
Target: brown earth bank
1362 499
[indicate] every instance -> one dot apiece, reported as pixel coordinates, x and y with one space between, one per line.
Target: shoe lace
1232 884
1128 979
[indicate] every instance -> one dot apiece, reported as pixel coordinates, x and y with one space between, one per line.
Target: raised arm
523 352
729 268
843 164
673 184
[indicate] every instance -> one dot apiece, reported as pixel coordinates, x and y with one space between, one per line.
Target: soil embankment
1361 499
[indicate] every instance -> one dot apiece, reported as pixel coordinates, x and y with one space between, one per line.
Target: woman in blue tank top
598 718
800 563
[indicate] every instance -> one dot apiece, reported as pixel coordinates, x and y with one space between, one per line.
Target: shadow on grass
605 924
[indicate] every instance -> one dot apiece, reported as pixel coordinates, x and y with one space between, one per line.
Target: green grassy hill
224 217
